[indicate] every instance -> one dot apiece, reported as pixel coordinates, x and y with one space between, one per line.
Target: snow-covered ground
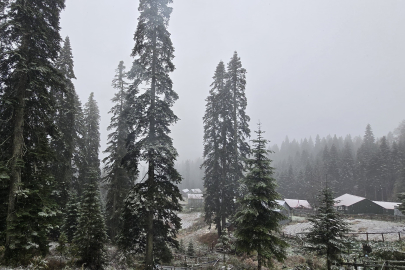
360 226
187 219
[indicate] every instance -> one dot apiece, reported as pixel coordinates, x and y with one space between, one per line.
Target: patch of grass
208 238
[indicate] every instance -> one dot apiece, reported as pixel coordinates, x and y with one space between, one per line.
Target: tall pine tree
117 179
225 148
366 165
257 220
64 120
90 236
150 116
213 160
236 84
31 34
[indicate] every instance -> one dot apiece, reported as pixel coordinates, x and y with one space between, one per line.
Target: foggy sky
313 67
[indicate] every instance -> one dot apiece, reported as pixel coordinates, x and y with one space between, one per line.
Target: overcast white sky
313 66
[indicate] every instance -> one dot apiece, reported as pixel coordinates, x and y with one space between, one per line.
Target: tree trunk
17 154
149 242
223 222
259 262
219 228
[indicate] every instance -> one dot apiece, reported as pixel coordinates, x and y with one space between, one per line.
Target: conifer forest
203 134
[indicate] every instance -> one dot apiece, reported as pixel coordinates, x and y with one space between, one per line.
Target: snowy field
360 226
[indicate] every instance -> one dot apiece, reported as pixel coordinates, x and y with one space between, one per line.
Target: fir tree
181 247
64 120
257 220
71 217
385 178
235 84
213 160
366 164
91 235
150 116
30 46
333 169
190 249
327 233
78 159
117 178
133 238
347 169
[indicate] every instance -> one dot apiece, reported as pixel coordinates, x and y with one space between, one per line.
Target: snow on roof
348 199
280 202
195 196
185 190
387 205
196 190
293 203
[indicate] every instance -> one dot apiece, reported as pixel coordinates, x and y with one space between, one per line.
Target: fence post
382 236
367 236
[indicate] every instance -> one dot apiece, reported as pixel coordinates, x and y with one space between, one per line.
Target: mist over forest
109 110
362 165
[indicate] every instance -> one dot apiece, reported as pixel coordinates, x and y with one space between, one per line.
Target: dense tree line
49 147
363 166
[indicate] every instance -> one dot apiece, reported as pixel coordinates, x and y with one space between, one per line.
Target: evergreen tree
150 116
78 159
190 249
30 45
90 235
366 164
327 234
236 83
385 179
333 169
181 247
117 178
213 157
257 220
64 119
347 169
71 217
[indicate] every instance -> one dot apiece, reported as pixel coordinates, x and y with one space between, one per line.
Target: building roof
196 190
294 203
387 205
195 196
348 199
280 202
185 190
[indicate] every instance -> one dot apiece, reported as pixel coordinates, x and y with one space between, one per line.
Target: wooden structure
351 204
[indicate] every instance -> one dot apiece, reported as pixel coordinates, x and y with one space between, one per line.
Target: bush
38 263
190 249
